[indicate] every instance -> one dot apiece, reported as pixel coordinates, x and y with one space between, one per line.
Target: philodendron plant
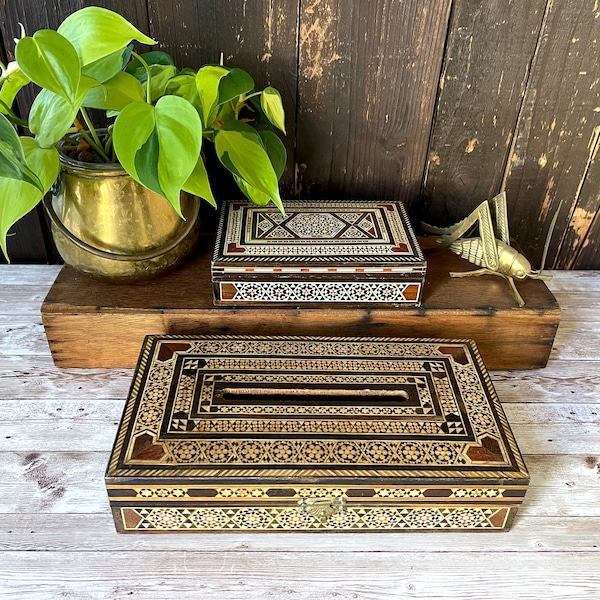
161 116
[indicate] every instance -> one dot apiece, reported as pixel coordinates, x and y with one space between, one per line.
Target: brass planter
106 224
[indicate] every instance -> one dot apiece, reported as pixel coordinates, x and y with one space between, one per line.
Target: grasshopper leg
475 273
513 287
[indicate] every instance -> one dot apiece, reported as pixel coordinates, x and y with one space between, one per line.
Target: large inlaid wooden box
230 433
319 252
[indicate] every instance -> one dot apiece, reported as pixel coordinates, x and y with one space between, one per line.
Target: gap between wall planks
553 159
367 85
438 104
481 87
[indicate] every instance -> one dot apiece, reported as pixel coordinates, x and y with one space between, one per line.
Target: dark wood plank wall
439 103
553 159
367 84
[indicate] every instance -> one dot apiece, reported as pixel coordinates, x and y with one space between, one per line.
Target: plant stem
94 140
90 126
252 95
109 147
92 143
147 69
12 117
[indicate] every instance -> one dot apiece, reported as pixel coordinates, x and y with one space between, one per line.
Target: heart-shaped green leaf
185 86
17 198
278 156
109 30
270 101
180 136
160 75
159 145
13 79
234 84
255 196
132 129
51 115
241 150
276 151
116 93
107 67
13 163
147 166
207 82
50 60
198 183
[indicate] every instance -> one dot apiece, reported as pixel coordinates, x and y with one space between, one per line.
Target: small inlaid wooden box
319 252
241 433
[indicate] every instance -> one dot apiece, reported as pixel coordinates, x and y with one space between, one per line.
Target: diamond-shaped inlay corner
279 233
145 448
263 224
354 232
488 450
315 225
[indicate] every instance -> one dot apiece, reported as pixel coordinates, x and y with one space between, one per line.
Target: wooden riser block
91 323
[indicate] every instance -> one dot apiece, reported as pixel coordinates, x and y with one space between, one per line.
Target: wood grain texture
484 76
57 537
308 575
85 319
557 137
585 233
25 275
367 83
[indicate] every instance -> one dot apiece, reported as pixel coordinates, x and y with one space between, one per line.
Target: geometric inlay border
314 291
405 518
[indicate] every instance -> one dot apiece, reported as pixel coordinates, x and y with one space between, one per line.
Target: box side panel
170 517
182 505
350 290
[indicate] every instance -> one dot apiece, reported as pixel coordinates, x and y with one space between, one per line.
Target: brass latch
322 508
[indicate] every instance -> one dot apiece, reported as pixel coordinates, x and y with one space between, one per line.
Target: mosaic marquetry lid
319 251
280 422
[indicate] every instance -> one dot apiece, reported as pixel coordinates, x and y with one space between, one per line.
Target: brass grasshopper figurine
495 256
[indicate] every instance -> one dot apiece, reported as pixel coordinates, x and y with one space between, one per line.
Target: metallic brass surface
322 508
106 224
495 256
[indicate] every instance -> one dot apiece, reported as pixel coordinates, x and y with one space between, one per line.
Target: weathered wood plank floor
57 537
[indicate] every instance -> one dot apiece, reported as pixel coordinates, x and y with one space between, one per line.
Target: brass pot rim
105 169
190 223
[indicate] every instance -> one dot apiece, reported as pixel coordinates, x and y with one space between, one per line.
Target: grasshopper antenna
538 274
